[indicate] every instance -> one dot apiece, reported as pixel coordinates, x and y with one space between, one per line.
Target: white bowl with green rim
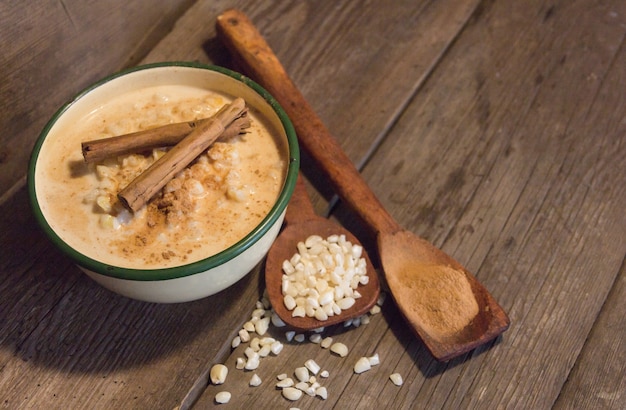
189 281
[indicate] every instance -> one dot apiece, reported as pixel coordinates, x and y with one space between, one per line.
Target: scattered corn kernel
291 393
322 392
222 397
262 325
339 349
284 383
362 365
302 374
218 374
236 342
277 321
249 326
315 338
374 360
396 379
244 335
312 366
326 342
255 380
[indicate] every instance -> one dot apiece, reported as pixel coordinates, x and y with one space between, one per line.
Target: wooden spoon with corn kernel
301 222
444 303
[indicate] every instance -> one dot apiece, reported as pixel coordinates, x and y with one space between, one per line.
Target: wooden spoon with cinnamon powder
443 302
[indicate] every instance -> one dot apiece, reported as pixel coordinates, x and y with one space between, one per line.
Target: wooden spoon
444 303
301 222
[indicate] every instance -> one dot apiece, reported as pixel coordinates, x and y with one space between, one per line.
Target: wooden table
494 129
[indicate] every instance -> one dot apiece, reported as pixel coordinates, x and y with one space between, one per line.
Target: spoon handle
252 53
300 207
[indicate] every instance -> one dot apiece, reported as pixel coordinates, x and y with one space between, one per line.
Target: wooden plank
504 164
528 108
96 341
80 343
598 379
357 91
50 51
266 396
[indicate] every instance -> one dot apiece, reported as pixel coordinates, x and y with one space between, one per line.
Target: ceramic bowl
204 277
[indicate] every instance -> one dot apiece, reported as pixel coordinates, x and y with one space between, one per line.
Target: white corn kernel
299 337
298 312
250 352
284 383
315 338
281 376
255 380
322 392
244 335
252 363
236 342
375 310
276 347
218 374
339 349
262 325
362 365
302 374
249 326
291 393
240 363
374 360
396 379
324 374
312 366
320 314
265 350
326 342
304 386
222 397
290 302
277 321
346 303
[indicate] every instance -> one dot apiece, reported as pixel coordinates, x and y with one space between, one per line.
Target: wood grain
504 176
494 129
52 51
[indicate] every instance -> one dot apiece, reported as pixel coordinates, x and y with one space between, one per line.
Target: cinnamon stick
142 188
163 136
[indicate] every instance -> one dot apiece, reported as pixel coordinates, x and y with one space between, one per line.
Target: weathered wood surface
52 50
494 129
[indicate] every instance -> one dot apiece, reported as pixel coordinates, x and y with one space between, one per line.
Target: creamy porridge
206 208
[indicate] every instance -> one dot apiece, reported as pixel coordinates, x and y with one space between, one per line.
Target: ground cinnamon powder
442 296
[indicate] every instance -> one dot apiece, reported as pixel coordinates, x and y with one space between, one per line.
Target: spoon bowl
300 223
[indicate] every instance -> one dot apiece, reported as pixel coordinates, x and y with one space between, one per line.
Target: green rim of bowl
191 268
